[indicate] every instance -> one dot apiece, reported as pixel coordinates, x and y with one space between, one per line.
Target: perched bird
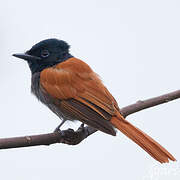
73 91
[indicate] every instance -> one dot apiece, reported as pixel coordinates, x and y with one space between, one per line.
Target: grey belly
46 99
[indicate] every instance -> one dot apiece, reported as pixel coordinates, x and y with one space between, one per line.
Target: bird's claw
69 136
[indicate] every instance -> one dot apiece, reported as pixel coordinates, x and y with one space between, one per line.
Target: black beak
26 57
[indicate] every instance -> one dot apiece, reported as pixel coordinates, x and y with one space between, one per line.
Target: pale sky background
133 45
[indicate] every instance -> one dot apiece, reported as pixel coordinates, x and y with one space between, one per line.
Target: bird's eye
44 53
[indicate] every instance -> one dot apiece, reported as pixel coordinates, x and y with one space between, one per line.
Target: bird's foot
72 137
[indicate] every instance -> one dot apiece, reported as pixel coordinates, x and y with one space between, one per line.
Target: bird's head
45 54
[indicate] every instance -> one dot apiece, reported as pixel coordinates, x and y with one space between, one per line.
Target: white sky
133 45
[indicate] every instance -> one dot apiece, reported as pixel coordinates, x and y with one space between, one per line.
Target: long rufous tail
146 142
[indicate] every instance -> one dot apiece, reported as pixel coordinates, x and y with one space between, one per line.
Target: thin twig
140 105
72 137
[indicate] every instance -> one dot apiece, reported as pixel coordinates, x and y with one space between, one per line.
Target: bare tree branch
140 105
72 137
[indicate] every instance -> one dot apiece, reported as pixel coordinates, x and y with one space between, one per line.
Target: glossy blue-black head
45 54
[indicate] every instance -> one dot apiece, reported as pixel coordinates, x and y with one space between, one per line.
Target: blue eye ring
45 53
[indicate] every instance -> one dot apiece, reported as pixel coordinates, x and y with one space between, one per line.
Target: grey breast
44 97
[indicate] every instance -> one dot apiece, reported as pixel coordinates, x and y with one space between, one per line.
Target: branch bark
72 137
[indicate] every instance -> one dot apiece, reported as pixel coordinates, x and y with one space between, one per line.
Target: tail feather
139 137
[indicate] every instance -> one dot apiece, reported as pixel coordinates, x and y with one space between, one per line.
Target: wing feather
81 92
